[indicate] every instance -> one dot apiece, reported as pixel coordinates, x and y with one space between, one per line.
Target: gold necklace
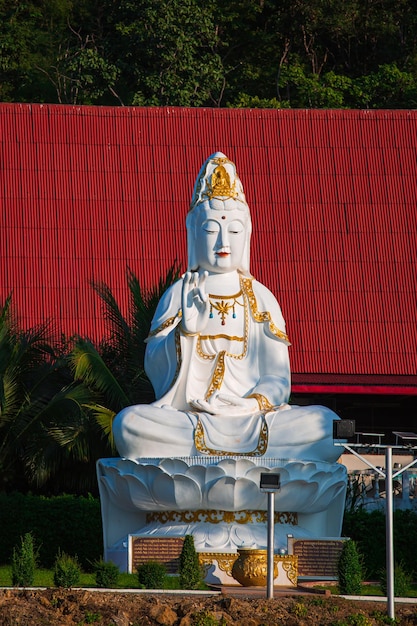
223 307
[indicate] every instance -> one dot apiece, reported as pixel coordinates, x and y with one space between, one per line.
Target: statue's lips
222 254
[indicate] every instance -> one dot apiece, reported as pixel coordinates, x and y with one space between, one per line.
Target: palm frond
143 305
104 418
9 398
89 367
5 313
118 326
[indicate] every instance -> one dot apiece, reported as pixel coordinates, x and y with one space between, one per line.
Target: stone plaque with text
317 558
166 550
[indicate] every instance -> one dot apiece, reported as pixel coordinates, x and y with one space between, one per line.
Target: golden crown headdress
218 179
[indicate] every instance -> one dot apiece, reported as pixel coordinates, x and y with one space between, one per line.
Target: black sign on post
343 429
270 482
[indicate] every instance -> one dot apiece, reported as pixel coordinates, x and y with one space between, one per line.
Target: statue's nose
224 238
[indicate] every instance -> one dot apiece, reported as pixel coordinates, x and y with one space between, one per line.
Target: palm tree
57 403
114 372
47 439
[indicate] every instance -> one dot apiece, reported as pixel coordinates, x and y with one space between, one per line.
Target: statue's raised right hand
195 302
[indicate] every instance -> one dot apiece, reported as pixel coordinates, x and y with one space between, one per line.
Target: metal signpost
270 483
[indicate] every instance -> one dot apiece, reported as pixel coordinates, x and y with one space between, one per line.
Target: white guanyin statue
217 353
217 356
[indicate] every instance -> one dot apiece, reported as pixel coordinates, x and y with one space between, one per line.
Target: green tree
27 362
24 561
113 375
349 570
166 52
52 51
47 440
189 568
297 53
311 53
388 87
57 404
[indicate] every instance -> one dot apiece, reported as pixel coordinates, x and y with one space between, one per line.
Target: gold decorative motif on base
224 560
218 517
249 567
290 566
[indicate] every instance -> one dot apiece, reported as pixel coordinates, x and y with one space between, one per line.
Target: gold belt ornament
218 517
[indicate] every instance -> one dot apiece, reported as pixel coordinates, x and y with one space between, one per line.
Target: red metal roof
87 191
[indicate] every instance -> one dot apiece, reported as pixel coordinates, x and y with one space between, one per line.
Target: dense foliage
403 580
298 53
24 562
368 532
67 570
46 438
57 401
71 524
189 565
106 574
349 570
151 575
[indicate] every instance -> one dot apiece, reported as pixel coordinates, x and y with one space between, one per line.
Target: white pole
389 534
270 560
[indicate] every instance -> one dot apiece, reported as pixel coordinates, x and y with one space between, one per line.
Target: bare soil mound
64 607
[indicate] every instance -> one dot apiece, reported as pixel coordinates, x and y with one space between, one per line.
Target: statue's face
220 240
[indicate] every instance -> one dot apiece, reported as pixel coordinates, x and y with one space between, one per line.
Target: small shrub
204 618
359 619
382 618
66 571
356 619
189 568
402 581
24 562
349 570
151 575
299 609
92 618
106 574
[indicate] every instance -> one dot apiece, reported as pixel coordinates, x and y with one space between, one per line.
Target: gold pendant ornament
223 307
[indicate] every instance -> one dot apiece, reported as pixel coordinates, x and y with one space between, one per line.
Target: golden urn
251 567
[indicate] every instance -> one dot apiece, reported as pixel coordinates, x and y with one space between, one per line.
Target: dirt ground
62 607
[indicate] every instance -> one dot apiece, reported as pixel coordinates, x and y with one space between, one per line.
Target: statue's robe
246 356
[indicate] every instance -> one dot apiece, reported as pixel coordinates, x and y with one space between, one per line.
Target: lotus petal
176 492
325 497
197 473
140 494
243 466
229 494
242 536
174 466
213 472
217 536
295 496
117 490
228 466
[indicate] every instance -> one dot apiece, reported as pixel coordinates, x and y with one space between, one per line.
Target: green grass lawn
369 590
45 578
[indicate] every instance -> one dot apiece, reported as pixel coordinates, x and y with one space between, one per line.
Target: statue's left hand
227 405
